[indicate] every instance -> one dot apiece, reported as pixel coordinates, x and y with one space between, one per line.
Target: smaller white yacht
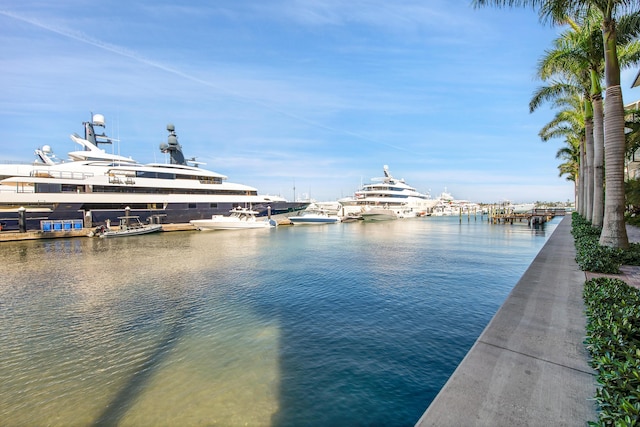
239 218
315 214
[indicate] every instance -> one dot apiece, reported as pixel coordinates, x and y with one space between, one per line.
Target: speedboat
94 186
521 208
130 225
370 213
239 218
314 215
387 198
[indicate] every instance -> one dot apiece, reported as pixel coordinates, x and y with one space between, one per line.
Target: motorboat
387 198
239 218
371 213
130 225
521 208
314 215
95 185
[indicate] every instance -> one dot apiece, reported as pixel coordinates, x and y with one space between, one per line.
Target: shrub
613 340
631 256
590 255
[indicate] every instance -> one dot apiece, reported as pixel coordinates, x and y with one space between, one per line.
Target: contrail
119 50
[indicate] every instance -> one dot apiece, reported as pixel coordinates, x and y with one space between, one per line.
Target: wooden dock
14 235
533 217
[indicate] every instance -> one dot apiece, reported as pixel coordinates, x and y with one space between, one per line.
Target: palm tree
567 61
614 233
569 123
587 40
578 55
570 153
568 94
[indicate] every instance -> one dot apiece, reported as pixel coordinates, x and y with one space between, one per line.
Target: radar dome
171 127
46 149
98 119
163 146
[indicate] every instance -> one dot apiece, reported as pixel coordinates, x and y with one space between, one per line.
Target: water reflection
347 324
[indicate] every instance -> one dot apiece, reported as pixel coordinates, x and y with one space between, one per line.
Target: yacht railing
44 173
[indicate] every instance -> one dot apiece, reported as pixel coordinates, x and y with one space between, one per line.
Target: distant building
633 163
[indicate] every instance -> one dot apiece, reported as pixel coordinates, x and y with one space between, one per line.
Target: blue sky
316 94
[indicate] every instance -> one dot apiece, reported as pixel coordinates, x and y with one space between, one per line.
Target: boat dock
533 217
71 231
15 235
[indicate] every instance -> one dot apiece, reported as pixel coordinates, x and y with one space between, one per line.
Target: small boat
239 218
379 214
314 215
129 226
521 208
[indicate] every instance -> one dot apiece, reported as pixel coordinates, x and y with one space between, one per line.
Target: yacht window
158 175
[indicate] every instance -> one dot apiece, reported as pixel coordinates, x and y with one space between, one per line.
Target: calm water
356 324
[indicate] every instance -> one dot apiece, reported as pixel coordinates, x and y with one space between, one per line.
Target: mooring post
22 219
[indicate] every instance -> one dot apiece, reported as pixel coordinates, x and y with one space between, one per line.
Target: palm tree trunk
614 232
582 173
588 127
598 161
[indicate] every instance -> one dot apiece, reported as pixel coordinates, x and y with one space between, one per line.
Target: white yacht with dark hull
96 186
387 198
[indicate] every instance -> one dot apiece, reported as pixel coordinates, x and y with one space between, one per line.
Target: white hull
133 231
379 215
222 224
318 213
240 219
313 220
523 208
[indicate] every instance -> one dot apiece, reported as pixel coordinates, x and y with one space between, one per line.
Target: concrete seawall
529 366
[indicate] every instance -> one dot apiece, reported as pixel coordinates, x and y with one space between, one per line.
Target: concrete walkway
529 367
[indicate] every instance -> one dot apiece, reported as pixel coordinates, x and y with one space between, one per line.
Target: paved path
529 367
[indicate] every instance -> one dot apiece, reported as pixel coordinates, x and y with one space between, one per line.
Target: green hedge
613 339
590 256
613 326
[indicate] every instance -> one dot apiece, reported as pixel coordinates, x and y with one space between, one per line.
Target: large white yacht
387 198
95 186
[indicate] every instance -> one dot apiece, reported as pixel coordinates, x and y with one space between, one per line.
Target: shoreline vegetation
613 326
